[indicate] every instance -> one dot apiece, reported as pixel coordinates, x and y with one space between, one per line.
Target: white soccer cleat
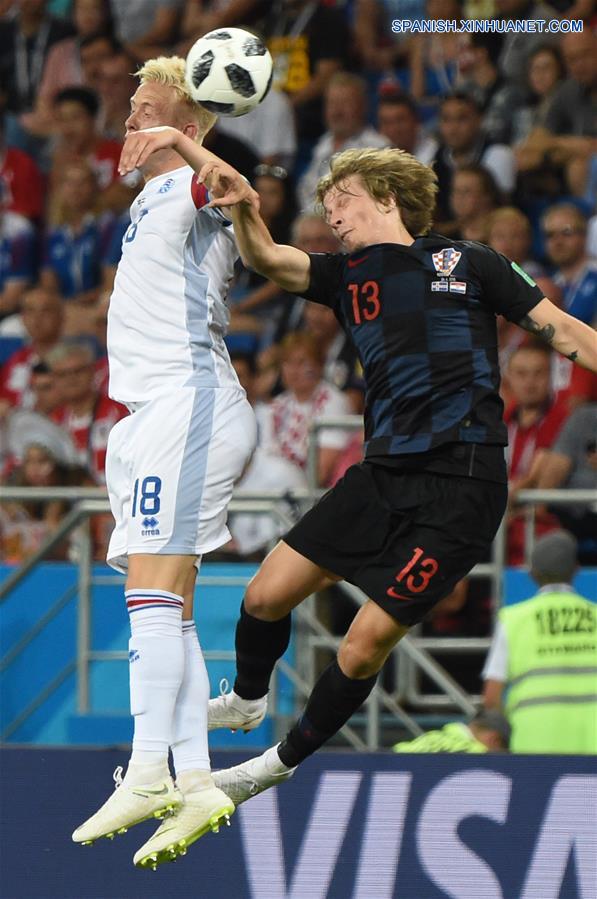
253 776
201 811
128 805
231 710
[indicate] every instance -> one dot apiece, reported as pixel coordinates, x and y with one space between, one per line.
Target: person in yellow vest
544 653
488 731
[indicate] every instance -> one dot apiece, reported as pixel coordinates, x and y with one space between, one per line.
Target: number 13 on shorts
416 579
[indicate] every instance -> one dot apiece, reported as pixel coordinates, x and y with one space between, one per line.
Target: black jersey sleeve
505 287
325 279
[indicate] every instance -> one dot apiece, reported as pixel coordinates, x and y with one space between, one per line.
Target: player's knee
260 603
359 659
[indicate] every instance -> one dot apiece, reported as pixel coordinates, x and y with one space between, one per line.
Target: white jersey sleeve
168 316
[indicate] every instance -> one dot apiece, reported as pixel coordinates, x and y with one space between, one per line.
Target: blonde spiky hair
170 71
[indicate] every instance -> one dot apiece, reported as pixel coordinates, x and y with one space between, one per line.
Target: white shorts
170 470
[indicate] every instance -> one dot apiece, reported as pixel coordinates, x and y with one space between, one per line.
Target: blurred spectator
24 526
308 42
200 17
352 454
565 232
76 245
277 209
115 86
63 64
276 198
17 256
46 396
479 76
94 50
463 143
488 731
545 69
236 152
76 111
21 427
87 415
567 139
518 46
572 463
312 234
337 350
346 123
306 399
146 27
509 232
269 129
534 420
474 194
22 179
544 655
573 110
43 321
398 119
379 49
25 41
267 471
433 57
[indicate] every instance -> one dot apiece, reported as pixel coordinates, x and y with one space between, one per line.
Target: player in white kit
172 463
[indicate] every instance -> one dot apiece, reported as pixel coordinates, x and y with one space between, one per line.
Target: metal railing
414 654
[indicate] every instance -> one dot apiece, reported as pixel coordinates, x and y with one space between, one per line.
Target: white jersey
168 316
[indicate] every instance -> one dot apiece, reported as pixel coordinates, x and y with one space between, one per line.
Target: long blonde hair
388 173
170 71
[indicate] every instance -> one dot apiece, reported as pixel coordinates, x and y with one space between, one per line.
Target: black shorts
405 539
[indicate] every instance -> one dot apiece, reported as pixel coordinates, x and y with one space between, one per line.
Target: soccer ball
229 71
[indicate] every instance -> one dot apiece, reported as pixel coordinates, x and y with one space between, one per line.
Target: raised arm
286 266
566 334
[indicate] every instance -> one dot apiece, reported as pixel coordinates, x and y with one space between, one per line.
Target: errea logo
149 527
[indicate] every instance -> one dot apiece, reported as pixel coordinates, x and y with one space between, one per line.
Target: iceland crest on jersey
446 260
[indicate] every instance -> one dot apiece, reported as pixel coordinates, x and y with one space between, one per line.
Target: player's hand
227 186
139 145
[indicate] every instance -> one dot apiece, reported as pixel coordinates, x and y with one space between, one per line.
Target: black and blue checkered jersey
423 320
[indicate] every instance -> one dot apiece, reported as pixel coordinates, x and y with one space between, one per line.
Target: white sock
189 742
156 665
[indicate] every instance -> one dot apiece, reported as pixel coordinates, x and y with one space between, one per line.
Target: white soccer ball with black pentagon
229 71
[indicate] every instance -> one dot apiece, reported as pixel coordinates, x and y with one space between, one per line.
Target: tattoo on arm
545 332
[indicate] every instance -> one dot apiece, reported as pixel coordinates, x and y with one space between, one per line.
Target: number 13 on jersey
365 301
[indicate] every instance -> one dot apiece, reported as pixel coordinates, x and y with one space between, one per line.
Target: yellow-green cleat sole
178 848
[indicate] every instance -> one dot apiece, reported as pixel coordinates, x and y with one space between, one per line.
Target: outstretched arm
566 334
286 266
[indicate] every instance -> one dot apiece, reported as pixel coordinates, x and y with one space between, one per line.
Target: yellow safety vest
552 673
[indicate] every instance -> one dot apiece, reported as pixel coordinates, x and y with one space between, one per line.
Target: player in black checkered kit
423 508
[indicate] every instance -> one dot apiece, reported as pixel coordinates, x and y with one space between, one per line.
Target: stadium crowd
509 123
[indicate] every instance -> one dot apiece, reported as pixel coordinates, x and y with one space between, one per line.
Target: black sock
333 700
259 645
